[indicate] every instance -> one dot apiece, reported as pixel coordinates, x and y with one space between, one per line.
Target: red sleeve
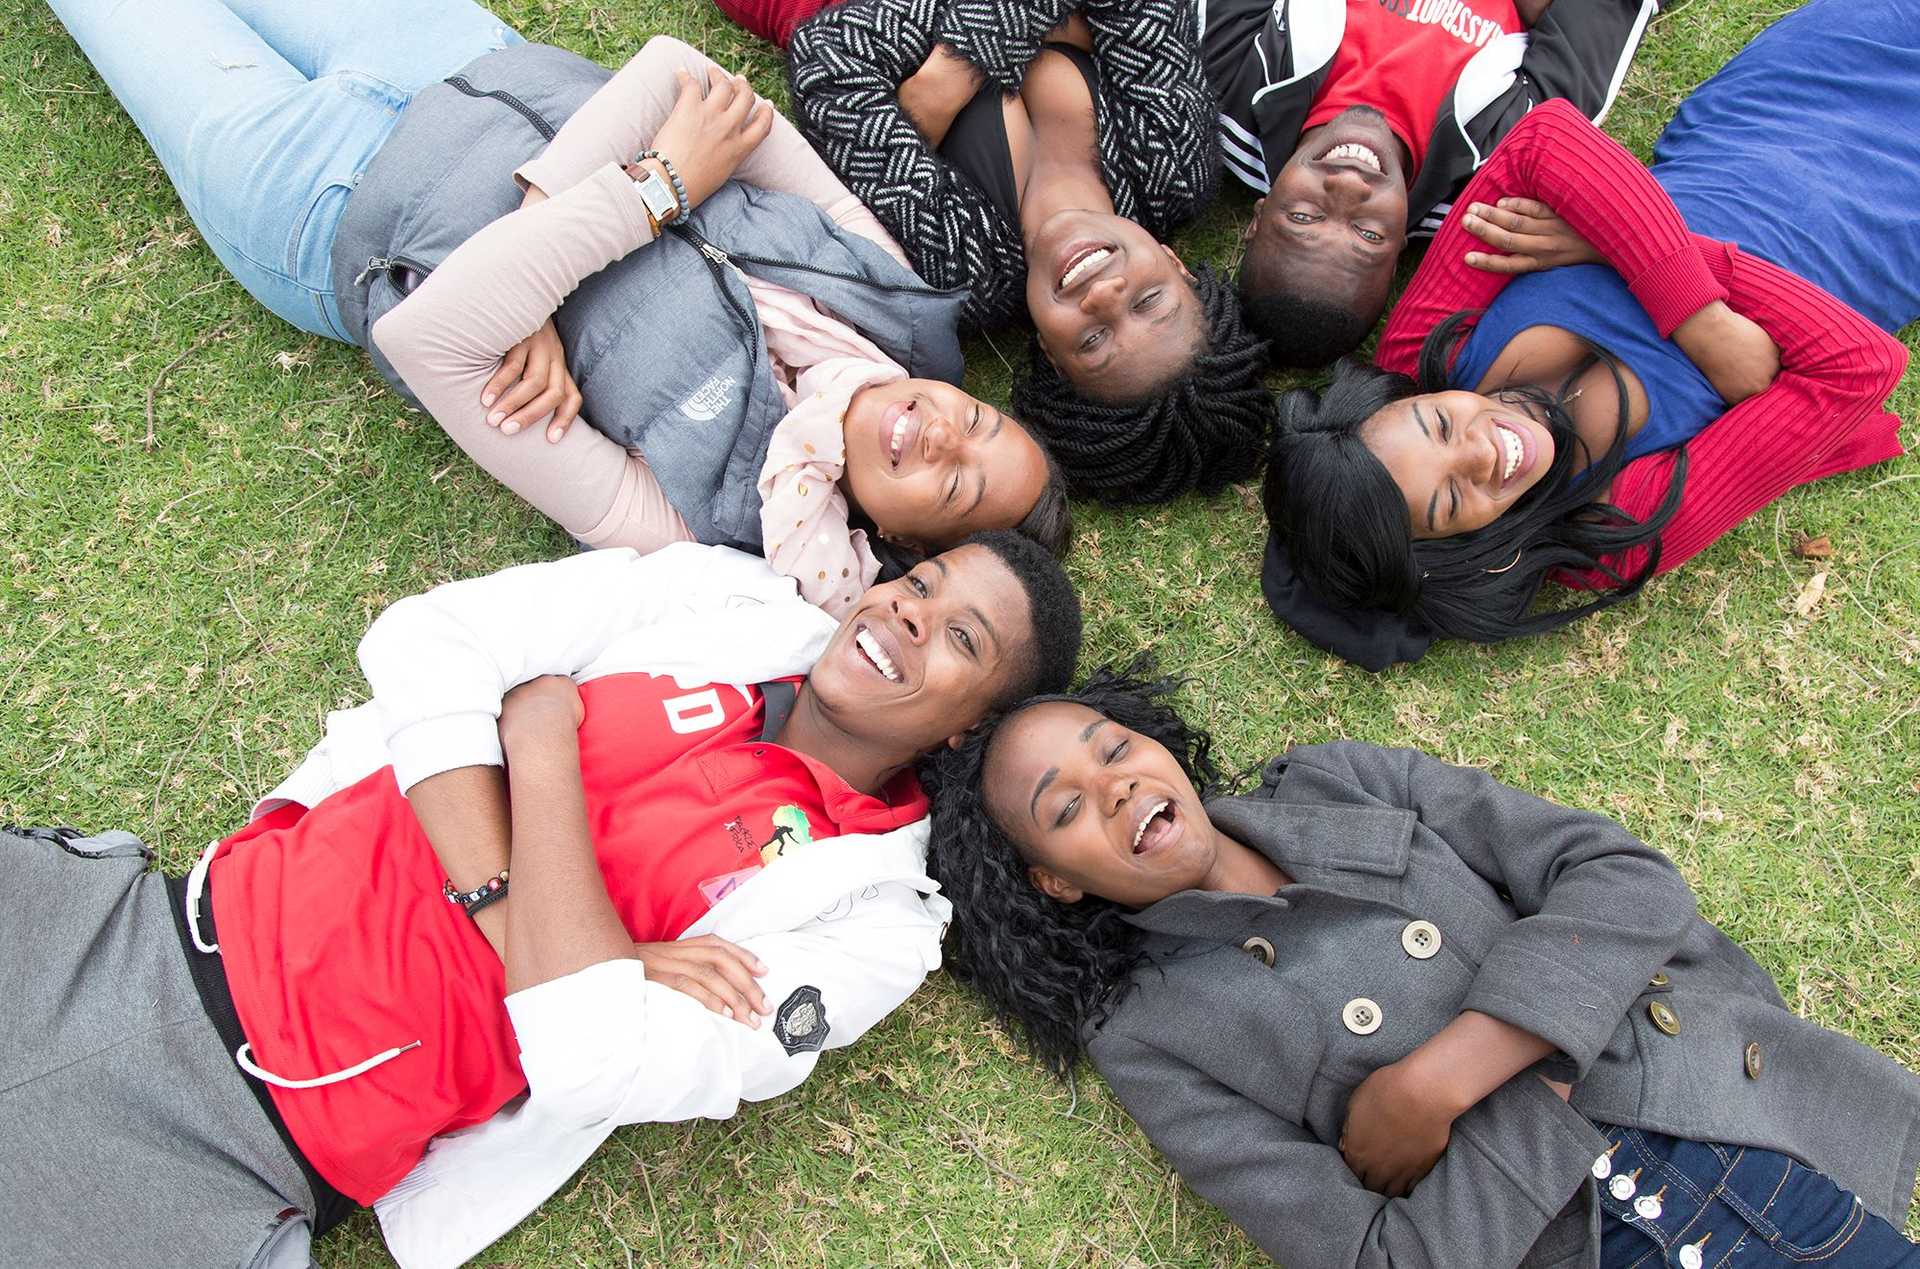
1823 415
1602 191
771 19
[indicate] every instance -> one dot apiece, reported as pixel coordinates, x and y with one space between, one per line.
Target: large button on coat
1421 939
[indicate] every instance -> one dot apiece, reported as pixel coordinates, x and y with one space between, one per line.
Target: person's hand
531 384
714 125
551 700
1398 1124
713 971
1738 358
1529 232
933 96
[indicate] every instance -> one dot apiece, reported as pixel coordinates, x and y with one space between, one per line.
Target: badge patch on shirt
801 1023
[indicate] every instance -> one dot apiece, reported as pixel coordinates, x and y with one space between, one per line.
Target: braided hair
1048 970
1205 429
1343 521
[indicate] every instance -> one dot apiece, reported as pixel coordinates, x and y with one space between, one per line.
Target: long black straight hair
1048 970
1344 522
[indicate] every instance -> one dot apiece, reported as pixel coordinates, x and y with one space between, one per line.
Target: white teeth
1354 150
1515 452
871 646
1092 260
899 430
1140 829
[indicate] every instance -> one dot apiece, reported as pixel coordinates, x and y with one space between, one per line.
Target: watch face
655 193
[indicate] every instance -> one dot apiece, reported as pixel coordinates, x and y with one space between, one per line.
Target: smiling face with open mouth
929 464
1113 308
923 657
1460 458
1095 808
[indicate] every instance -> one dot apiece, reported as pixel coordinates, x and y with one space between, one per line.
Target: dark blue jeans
1696 1205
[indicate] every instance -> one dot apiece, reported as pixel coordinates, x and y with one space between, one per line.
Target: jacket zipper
513 103
716 260
386 265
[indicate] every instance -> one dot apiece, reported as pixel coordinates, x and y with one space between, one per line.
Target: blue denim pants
1697 1205
265 112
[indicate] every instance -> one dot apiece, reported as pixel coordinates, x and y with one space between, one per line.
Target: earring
1505 567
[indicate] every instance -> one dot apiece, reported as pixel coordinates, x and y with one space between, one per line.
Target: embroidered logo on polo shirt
801 1024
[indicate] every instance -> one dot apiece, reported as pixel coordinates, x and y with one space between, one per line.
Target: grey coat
664 344
1557 921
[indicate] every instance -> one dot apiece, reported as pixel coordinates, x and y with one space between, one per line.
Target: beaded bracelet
673 176
471 901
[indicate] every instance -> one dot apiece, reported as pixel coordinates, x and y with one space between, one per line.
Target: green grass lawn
175 620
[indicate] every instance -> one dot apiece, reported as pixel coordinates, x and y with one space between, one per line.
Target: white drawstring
196 886
240 1055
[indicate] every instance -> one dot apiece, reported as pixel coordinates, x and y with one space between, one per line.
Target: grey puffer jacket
1421 890
664 344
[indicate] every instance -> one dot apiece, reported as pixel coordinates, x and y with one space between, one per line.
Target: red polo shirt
338 943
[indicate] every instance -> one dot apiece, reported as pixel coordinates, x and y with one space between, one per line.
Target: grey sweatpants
127 1134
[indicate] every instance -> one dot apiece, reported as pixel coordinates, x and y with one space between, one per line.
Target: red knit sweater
1822 415
771 19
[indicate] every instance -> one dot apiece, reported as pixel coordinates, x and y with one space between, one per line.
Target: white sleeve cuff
445 743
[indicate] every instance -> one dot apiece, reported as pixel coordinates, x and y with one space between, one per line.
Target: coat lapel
1360 851
1311 840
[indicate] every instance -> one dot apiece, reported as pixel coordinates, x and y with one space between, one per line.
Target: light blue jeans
266 112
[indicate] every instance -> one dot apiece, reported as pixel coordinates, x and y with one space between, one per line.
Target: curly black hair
1048 970
1207 428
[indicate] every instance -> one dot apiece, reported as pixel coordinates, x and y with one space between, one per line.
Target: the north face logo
709 399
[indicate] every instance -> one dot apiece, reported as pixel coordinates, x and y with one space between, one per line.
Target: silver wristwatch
658 197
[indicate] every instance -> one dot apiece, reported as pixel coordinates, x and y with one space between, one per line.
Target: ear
1175 257
954 741
1054 887
1253 225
